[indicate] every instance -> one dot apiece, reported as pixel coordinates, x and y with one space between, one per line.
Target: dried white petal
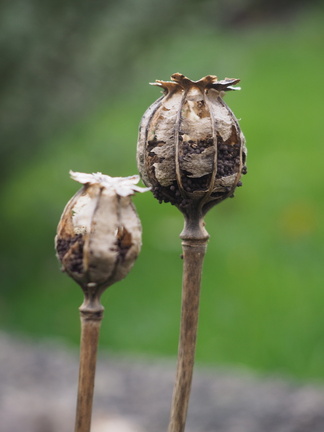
122 186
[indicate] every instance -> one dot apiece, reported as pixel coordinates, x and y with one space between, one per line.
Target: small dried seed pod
99 234
191 150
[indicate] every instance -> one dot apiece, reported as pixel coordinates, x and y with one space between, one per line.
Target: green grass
262 296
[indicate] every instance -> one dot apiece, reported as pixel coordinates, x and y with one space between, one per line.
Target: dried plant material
99 234
98 240
191 150
122 186
192 153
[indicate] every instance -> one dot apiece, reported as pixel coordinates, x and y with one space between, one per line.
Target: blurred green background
74 85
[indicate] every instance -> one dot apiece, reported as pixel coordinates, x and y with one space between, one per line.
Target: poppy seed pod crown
191 150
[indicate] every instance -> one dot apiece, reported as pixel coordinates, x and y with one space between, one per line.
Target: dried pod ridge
99 235
191 150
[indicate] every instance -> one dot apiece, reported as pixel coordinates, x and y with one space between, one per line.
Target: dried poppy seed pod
99 234
191 150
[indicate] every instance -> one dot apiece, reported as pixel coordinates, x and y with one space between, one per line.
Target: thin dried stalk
194 247
90 327
98 239
191 152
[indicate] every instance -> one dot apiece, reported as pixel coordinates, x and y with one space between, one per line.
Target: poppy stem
91 314
194 249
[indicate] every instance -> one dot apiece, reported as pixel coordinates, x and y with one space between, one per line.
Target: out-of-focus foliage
74 89
59 58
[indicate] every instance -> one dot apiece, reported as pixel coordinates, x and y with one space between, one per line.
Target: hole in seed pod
75 262
169 194
124 242
191 184
228 158
166 194
220 194
194 147
154 143
243 158
64 244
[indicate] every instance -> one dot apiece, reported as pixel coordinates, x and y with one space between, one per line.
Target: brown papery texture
191 150
98 237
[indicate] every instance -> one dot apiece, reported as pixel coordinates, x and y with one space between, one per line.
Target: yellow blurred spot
298 219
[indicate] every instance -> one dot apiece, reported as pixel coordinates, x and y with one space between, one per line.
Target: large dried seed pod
191 150
99 234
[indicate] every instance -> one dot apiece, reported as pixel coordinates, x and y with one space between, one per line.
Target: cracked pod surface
191 150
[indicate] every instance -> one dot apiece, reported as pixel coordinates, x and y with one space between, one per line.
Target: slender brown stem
91 314
193 255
